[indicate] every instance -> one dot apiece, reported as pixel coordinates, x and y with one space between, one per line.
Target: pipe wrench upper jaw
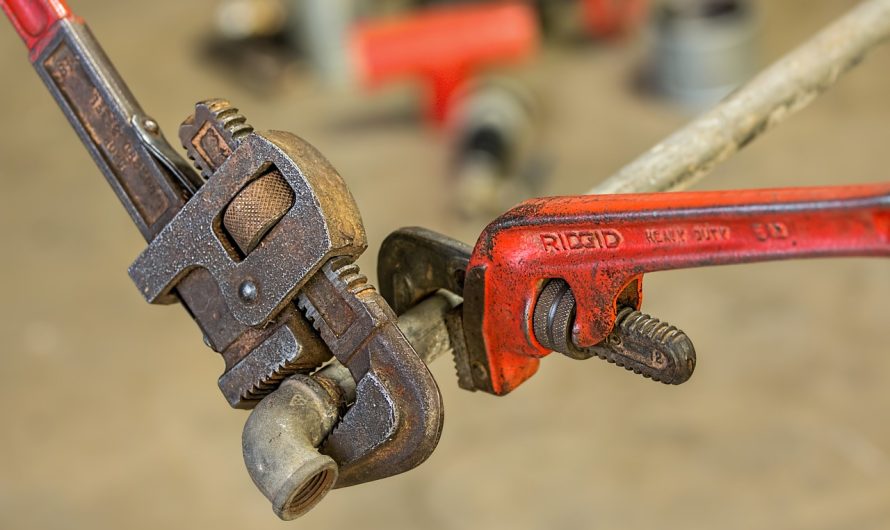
260 284
248 294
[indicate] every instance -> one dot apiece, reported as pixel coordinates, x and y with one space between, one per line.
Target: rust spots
110 136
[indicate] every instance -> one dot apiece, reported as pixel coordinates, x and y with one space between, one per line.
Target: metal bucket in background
701 50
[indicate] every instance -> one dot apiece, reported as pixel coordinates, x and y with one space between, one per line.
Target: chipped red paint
602 246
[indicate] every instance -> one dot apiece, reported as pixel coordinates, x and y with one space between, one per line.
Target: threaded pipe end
308 494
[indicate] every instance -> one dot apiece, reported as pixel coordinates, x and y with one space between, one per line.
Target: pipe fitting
282 435
281 438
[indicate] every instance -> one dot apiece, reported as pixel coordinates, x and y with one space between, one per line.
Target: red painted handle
602 245
444 46
34 19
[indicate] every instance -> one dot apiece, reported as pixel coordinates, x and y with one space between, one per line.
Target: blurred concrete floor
112 418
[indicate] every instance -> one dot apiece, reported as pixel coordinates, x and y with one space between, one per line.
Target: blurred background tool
444 48
492 123
782 89
462 55
568 21
700 50
496 154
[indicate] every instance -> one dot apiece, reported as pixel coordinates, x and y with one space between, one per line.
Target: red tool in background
608 18
443 47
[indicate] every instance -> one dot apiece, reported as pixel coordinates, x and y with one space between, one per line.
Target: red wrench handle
602 245
34 20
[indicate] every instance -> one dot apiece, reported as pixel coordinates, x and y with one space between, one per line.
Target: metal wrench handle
150 179
602 245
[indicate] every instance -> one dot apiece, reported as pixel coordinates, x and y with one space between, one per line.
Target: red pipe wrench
601 246
565 273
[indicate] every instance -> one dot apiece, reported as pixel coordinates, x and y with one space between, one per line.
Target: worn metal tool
565 273
272 227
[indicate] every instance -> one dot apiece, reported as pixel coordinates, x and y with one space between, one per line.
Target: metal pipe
282 434
424 325
784 88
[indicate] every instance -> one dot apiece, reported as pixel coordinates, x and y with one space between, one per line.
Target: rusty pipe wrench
267 222
565 273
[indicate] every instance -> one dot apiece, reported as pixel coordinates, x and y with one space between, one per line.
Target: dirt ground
112 418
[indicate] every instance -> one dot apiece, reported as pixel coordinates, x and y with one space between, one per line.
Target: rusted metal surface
260 359
274 218
396 421
325 214
281 439
211 133
414 262
247 289
101 109
153 182
772 96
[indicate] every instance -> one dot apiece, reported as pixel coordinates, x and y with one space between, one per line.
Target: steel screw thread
647 346
640 343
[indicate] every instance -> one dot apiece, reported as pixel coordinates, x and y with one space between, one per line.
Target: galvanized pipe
424 325
784 88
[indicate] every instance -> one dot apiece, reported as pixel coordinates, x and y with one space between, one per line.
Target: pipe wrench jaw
273 234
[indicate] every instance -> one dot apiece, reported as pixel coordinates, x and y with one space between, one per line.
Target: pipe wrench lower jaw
395 423
396 420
